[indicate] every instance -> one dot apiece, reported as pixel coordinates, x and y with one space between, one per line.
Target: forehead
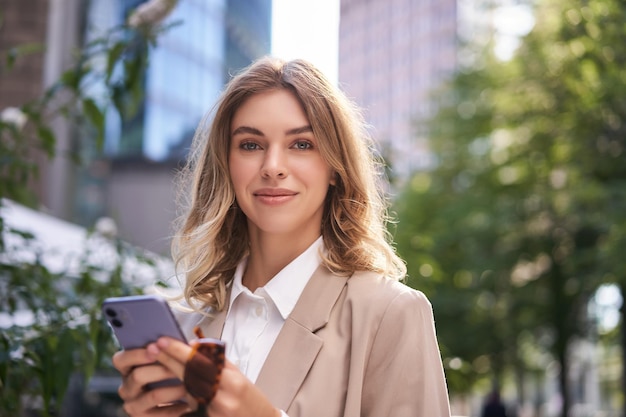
273 106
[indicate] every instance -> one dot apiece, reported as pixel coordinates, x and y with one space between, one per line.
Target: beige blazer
353 346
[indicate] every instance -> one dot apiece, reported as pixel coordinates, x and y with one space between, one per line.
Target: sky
307 29
512 21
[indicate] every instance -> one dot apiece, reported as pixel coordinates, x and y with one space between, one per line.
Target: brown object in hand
203 370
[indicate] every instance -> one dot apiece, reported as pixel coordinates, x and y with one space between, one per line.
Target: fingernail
163 342
152 350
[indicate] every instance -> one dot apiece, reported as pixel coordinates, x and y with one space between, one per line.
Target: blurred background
501 123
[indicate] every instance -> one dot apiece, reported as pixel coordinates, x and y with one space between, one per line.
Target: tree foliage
523 216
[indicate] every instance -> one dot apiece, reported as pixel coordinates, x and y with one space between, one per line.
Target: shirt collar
284 288
237 286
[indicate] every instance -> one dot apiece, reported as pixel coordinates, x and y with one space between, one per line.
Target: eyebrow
254 131
298 130
241 130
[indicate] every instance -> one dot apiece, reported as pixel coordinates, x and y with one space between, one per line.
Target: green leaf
112 59
73 77
64 360
96 117
47 138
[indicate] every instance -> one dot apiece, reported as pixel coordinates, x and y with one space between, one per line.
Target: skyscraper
392 54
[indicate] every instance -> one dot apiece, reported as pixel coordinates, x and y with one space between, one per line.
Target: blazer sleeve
404 376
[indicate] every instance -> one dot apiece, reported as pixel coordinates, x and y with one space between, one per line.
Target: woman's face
276 168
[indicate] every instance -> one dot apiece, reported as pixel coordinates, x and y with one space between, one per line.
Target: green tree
523 217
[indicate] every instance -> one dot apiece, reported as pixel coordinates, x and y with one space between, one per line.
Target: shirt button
258 311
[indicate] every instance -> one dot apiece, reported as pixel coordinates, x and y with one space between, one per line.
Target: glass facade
248 33
209 40
184 77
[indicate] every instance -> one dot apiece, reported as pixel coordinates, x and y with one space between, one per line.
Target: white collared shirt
254 319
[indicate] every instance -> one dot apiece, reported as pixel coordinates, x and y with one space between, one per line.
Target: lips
274 196
274 192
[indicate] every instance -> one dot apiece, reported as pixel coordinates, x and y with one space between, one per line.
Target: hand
139 369
236 396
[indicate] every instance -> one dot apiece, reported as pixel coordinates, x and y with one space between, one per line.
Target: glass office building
208 41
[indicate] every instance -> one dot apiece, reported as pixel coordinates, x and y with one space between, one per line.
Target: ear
333 178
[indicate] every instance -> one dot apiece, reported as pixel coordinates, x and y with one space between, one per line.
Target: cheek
238 173
320 175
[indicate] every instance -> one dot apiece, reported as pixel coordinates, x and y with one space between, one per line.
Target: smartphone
139 320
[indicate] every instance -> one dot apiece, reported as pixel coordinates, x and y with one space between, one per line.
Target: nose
274 164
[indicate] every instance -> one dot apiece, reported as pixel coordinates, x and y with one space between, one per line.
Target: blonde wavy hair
212 236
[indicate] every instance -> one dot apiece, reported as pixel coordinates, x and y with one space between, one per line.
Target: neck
269 254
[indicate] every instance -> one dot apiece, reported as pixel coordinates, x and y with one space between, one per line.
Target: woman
287 259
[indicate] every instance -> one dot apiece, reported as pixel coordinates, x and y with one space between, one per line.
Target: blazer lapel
297 345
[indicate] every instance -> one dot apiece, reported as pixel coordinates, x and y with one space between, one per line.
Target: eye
249 146
303 145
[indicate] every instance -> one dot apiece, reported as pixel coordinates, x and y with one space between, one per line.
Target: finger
174 410
135 382
175 348
125 360
172 354
160 401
